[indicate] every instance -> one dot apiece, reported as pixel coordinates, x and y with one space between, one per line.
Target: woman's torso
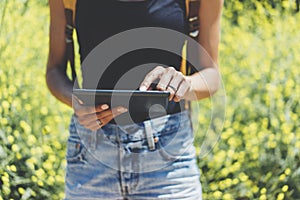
97 20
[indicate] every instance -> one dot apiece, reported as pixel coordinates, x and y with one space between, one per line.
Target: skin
197 86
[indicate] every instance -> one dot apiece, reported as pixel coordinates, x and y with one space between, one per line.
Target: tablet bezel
128 93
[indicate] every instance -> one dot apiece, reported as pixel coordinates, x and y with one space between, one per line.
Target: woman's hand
170 80
94 118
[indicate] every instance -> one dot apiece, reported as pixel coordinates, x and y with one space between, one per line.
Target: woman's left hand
170 80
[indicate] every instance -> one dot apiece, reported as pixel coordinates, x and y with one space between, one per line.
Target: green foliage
33 125
263 8
257 156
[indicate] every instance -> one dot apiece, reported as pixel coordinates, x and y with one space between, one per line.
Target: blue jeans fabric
116 162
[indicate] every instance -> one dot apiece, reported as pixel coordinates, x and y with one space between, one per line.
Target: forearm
59 85
203 84
206 82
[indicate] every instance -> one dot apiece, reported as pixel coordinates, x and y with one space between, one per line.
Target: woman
107 160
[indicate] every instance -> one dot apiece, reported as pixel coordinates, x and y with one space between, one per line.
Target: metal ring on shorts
99 122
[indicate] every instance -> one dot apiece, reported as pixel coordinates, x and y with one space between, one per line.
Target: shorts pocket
75 152
177 144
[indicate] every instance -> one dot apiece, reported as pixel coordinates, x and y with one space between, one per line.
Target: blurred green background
258 153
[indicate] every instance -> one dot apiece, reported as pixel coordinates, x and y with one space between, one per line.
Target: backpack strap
70 6
192 16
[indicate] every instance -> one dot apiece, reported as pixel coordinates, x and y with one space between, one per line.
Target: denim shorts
154 159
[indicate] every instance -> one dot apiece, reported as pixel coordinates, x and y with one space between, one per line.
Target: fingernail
143 88
122 110
104 106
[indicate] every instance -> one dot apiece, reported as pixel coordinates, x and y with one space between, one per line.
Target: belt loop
149 134
93 140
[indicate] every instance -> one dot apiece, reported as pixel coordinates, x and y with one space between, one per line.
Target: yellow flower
225 171
286 128
52 158
222 185
36 150
243 177
47 149
235 181
34 179
230 153
61 195
227 196
6 190
31 140
18 155
25 126
263 191
31 162
285 188
287 171
5 105
285 4
44 110
16 133
297 144
263 197
213 186
255 189
47 165
217 195
57 144
13 168
21 190
12 89
33 193
280 196
40 173
24 96
282 177
272 144
28 107
40 183
15 148
10 139
228 182
46 129
3 121
265 122
59 178
5 180
50 180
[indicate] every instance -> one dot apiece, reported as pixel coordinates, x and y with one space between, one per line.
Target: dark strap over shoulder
70 16
192 14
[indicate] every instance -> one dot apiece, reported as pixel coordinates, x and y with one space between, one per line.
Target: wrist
190 93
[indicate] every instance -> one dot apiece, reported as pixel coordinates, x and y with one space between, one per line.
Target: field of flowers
257 155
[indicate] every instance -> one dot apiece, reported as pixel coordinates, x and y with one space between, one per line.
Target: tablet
135 100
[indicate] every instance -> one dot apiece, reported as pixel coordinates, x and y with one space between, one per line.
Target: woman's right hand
94 118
